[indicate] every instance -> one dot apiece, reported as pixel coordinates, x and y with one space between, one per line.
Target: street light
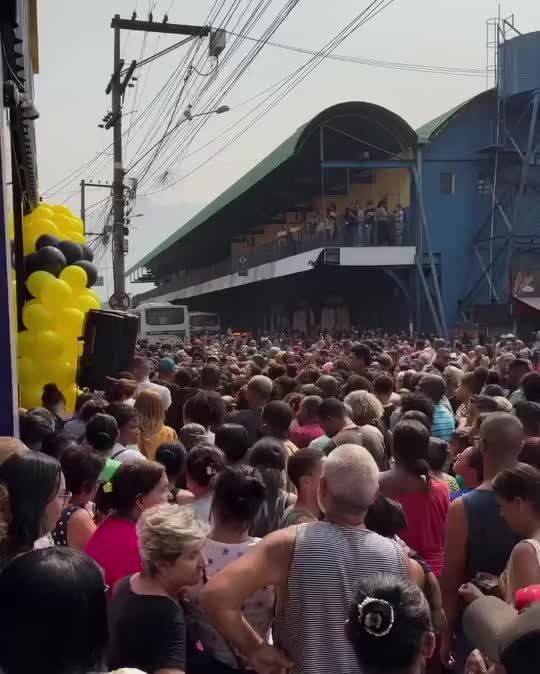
186 118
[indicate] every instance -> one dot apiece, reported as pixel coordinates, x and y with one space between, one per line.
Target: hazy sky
76 44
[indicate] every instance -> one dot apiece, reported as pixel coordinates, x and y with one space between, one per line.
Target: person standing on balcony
367 226
399 225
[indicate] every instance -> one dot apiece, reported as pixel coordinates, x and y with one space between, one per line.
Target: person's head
258 391
332 416
284 385
438 454
366 408
360 358
304 469
411 449
102 432
206 408
269 457
68 617
493 390
452 377
173 456
127 419
530 385
518 495
119 390
81 468
183 377
501 439
44 414
417 416
470 466
276 418
34 430
308 412
233 441
328 385
433 386
471 384
32 497
389 626
419 402
151 411
81 399
349 483
141 369
135 487
204 462
531 452
386 517
91 408
517 369
166 368
171 540
383 387
356 382
191 435
529 414
210 377
53 399
239 492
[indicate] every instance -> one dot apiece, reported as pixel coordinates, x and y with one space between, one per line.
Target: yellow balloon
11 225
56 295
75 277
71 350
27 370
43 211
40 226
31 397
59 372
48 345
62 209
63 222
29 245
25 343
77 225
37 281
77 237
70 322
94 294
37 317
85 302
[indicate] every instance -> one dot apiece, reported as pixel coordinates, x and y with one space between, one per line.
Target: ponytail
411 448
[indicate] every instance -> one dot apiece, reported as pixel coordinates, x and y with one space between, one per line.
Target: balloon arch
59 273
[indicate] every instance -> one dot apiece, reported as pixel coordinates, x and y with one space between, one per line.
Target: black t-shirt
146 632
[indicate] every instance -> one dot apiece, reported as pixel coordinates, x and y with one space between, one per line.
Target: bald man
478 540
315 569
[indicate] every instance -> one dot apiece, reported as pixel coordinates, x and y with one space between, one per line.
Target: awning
533 302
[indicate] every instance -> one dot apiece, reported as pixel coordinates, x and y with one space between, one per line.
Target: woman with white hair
367 413
146 621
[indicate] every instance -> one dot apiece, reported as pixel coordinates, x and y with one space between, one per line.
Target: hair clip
372 621
210 470
107 487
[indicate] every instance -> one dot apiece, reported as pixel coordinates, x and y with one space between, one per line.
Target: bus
162 321
204 322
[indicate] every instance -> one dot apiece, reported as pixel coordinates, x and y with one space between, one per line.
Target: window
448 183
204 320
165 316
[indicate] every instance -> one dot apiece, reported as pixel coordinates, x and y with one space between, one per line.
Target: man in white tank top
314 569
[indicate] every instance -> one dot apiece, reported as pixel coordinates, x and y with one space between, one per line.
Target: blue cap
167 365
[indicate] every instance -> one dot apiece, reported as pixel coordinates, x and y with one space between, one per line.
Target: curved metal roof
401 134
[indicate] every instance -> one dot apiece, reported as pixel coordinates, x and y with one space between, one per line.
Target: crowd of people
275 505
374 224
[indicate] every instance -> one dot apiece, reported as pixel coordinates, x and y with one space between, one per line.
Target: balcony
287 247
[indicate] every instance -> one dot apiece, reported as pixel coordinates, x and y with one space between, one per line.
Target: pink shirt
302 436
114 546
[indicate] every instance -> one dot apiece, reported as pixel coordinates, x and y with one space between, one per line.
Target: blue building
454 240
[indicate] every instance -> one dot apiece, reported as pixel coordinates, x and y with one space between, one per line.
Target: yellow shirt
149 445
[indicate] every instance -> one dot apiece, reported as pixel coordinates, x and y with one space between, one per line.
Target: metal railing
280 249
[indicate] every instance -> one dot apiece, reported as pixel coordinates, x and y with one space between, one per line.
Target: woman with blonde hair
146 621
367 412
152 423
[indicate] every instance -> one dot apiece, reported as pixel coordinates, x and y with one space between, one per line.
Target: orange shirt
149 445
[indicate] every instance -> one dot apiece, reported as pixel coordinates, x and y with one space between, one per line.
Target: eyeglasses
65 496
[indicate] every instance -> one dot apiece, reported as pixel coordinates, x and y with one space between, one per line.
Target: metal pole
118 171
83 206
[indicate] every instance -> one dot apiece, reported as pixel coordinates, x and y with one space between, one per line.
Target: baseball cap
166 365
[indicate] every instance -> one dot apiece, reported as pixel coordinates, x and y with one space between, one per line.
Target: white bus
162 321
204 322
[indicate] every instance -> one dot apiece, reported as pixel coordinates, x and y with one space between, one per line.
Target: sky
76 51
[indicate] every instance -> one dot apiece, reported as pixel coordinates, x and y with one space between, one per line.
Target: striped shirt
327 563
443 423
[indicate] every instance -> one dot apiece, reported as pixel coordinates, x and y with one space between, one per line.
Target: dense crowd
273 505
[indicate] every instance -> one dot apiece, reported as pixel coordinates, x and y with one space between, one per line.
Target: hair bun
376 616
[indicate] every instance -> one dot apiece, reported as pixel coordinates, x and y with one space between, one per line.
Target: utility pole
117 87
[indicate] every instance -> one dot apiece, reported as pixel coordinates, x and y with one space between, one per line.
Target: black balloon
51 259
47 240
31 264
90 269
87 252
71 250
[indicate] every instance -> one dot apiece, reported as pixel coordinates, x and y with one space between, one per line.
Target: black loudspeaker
109 346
